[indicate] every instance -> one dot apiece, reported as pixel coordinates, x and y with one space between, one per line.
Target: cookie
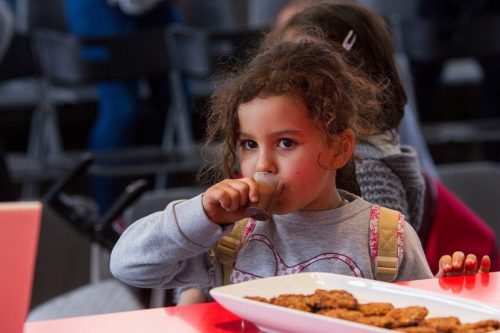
346 314
441 324
408 316
375 309
292 301
332 299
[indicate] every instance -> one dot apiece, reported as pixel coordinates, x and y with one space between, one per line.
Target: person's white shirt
135 7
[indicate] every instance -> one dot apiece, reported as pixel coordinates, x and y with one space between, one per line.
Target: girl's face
278 136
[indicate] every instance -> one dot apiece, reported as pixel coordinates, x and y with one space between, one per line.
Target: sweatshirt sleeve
168 249
414 265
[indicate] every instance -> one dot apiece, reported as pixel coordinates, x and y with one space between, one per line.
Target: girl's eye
248 144
286 143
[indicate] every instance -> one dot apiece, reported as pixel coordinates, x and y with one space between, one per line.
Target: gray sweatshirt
171 248
392 179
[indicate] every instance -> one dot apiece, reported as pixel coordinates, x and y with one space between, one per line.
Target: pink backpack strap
386 242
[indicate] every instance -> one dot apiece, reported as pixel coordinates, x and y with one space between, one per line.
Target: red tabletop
211 317
208 317
480 287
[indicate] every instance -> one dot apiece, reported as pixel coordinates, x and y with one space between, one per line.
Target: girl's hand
458 264
226 201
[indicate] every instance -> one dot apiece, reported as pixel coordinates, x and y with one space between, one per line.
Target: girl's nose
266 162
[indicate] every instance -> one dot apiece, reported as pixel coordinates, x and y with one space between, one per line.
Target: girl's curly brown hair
337 96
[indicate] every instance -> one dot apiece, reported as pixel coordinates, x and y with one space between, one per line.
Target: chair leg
177 136
178 126
34 142
51 130
44 143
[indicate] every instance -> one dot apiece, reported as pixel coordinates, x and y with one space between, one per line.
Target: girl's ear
344 148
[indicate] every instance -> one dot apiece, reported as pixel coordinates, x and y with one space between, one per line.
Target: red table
211 317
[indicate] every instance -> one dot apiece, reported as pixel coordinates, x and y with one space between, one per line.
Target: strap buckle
386 268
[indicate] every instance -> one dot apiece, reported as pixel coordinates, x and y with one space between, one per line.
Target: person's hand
226 201
459 264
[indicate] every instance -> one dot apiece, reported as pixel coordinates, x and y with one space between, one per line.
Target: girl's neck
335 201
339 201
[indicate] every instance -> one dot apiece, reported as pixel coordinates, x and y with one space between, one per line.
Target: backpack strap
227 246
386 242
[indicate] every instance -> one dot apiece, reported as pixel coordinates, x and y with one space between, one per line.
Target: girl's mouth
270 187
274 201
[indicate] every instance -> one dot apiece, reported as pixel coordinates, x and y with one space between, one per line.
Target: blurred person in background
119 101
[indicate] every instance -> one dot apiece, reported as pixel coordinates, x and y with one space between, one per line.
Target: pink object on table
19 228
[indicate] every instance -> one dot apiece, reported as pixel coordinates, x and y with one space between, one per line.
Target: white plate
272 318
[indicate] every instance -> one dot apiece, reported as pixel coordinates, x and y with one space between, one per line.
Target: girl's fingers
219 196
234 199
243 189
239 191
470 266
458 264
458 261
253 188
485 265
445 264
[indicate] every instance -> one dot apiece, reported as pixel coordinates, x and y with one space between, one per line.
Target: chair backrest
67 59
213 14
478 185
35 14
198 52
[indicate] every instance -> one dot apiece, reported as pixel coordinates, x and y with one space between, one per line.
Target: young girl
293 112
